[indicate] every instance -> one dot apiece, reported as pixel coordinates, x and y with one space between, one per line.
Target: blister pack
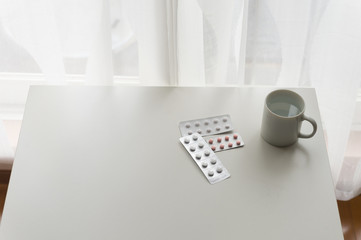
224 142
206 126
205 158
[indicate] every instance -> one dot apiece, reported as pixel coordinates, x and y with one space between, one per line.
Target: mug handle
314 125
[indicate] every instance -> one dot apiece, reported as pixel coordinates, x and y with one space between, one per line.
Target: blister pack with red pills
202 150
224 142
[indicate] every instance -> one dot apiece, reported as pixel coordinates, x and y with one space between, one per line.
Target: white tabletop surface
106 163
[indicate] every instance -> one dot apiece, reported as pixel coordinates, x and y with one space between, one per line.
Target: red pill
210 141
235 136
213 148
221 146
230 144
226 138
238 142
219 140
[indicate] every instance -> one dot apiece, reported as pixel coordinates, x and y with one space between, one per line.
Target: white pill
218 128
227 126
219 169
208 130
207 153
213 161
192 148
190 132
215 121
198 156
195 137
186 140
210 173
206 122
200 145
204 165
224 119
199 131
197 124
188 125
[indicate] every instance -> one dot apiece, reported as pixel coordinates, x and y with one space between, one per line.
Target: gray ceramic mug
283 115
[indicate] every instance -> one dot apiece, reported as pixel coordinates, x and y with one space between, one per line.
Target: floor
3 189
4 181
350 211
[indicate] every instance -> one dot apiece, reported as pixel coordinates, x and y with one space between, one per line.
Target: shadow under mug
283 115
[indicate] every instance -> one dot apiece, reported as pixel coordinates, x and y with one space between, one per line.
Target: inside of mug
285 103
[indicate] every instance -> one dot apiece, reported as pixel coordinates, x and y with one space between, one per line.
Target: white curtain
317 44
312 43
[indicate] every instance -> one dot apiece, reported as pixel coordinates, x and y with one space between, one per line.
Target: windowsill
14 88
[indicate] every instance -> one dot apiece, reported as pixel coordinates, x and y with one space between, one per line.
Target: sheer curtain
196 42
316 44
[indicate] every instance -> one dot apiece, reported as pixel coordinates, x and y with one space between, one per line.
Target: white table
106 163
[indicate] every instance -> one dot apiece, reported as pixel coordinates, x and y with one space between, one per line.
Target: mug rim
290 92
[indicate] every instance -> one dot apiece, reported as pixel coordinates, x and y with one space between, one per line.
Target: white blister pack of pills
206 126
224 142
205 158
